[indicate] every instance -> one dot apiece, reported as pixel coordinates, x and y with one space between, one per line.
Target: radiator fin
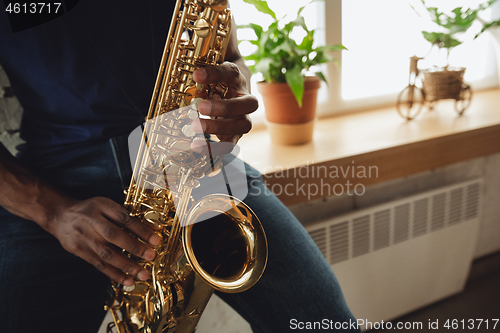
382 229
420 217
401 223
339 242
472 204
456 206
361 236
375 229
438 208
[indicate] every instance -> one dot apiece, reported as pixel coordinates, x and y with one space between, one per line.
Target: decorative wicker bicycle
437 83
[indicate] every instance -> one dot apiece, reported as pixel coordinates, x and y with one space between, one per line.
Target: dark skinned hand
90 228
229 116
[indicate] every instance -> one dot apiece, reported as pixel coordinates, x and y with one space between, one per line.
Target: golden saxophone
215 243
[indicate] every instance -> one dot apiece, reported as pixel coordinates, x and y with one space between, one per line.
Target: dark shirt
87 75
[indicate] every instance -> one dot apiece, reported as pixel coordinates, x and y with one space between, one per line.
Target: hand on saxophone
89 229
229 116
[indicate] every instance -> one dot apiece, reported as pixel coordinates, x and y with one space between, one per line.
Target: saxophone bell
225 243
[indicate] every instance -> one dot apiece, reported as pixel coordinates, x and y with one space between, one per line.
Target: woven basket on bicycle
442 83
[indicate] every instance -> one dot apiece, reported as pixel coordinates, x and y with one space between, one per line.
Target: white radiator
396 257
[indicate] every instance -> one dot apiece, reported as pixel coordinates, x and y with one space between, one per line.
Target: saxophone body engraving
215 243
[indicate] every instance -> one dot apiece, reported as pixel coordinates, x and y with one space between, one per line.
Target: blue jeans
43 288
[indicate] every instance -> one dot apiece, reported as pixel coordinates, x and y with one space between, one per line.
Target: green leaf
321 76
285 46
302 8
295 80
265 66
307 42
255 27
252 57
461 21
487 26
322 56
441 39
251 41
334 48
265 38
298 22
262 7
280 58
432 37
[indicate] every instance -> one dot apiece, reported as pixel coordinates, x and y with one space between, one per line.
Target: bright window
380 37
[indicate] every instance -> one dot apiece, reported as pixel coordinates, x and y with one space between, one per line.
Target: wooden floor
479 300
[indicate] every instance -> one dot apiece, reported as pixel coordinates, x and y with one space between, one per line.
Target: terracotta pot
287 123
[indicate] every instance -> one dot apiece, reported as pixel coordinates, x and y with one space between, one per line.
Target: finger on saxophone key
198 126
154 240
149 254
199 145
200 75
143 275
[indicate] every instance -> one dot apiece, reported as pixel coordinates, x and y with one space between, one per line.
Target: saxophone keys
194 183
216 5
188 131
201 143
196 101
221 33
202 28
216 167
155 218
192 114
200 87
223 19
129 288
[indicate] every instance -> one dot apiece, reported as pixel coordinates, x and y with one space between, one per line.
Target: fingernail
128 282
205 108
143 275
154 240
149 254
201 74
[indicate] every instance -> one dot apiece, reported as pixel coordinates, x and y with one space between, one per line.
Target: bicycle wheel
463 101
410 102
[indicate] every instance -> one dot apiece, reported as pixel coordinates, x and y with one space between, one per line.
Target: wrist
51 207
28 196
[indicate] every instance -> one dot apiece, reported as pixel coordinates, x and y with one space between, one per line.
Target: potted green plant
447 82
289 94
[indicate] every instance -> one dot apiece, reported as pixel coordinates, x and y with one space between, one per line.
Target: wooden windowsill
379 139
